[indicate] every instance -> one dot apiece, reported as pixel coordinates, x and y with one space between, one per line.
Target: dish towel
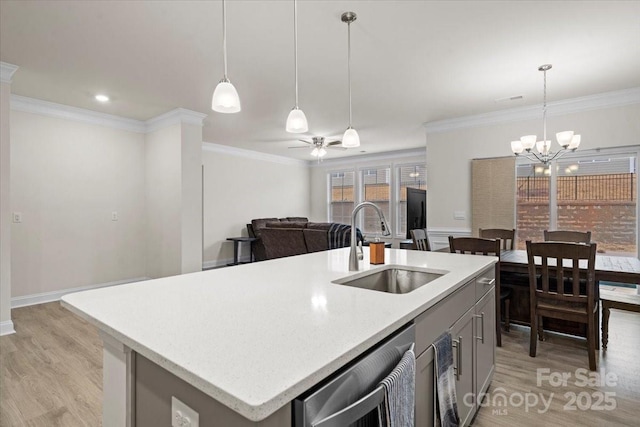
446 382
398 407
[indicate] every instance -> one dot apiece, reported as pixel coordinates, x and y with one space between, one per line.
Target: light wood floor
50 370
51 374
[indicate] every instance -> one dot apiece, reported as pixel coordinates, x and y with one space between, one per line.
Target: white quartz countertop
255 336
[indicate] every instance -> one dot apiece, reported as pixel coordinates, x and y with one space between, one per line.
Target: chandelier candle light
225 97
567 140
297 121
350 139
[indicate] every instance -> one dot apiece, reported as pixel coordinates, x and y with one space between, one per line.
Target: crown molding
384 156
173 117
51 109
599 101
250 154
6 72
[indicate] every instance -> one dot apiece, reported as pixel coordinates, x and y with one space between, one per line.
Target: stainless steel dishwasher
352 396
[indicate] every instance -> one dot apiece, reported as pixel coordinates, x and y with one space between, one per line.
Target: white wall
240 186
319 172
6 325
67 178
449 153
191 197
163 172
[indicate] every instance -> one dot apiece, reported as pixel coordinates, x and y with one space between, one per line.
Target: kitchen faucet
355 254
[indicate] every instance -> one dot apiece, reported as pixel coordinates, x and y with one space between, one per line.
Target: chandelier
566 139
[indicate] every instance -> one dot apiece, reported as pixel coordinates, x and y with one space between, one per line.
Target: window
532 202
413 176
593 192
342 191
375 189
598 194
386 186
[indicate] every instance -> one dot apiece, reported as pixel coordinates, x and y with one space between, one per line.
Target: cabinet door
485 341
462 332
425 388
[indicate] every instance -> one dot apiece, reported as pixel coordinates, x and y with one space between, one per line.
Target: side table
236 246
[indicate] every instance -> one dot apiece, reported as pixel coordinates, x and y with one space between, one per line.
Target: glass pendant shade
516 147
575 142
322 152
314 152
225 98
297 121
543 147
564 138
528 141
350 139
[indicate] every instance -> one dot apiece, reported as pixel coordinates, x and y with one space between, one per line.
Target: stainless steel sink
394 280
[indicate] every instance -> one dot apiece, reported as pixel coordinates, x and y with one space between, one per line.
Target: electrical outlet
17 217
182 415
114 216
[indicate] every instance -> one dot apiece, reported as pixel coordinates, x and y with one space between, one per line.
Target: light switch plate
17 217
114 216
459 215
182 415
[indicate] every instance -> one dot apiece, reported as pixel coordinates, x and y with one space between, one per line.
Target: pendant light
350 139
225 97
567 140
297 121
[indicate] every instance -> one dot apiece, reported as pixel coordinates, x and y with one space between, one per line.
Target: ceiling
412 61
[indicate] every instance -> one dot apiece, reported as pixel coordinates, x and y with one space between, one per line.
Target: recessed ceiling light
102 98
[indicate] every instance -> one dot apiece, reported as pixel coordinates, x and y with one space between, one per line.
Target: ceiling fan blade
306 142
328 144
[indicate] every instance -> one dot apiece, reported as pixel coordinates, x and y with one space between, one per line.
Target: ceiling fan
320 144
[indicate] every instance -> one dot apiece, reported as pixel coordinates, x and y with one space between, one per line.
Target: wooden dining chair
507 239
558 290
420 239
478 246
567 236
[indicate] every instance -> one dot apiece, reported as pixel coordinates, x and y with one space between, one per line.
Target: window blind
493 193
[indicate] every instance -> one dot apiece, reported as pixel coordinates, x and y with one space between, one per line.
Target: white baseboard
216 263
42 298
6 328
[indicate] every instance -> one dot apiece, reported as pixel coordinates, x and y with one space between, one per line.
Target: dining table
610 268
514 270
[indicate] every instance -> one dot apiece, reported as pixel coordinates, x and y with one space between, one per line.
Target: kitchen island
256 336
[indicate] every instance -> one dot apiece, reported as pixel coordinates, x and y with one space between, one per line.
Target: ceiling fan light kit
225 97
567 140
297 120
350 139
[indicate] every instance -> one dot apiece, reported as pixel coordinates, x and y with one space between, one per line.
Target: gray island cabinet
469 315
238 345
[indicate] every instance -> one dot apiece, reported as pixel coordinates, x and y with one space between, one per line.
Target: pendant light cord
544 109
224 39
349 66
295 45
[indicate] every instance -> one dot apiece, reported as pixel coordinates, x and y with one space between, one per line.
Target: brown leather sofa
292 236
